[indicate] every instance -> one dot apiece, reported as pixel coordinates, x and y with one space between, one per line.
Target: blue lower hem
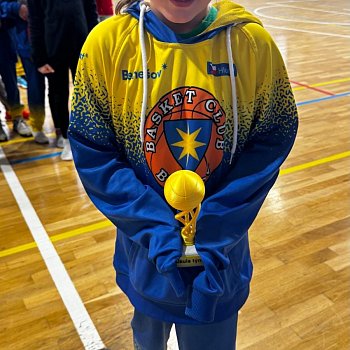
176 313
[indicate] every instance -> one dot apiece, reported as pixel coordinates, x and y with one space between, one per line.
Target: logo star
188 143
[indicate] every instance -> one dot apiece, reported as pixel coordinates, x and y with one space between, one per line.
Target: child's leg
149 334
218 336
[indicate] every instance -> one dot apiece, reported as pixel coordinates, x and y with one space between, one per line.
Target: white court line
70 297
281 4
285 19
307 31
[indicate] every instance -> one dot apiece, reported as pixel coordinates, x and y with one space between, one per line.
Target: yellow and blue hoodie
148 102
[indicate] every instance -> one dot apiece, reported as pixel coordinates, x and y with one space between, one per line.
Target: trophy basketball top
184 190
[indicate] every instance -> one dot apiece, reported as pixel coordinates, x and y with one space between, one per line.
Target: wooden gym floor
300 243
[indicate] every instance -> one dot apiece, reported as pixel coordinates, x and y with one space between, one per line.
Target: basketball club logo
184 130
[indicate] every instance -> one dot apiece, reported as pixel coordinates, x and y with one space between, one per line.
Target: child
170 85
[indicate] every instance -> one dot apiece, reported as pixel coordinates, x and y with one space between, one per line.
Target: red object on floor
25 115
8 116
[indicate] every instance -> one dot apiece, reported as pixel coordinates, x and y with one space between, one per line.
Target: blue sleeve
111 183
9 10
227 214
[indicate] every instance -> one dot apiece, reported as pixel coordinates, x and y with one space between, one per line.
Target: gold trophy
184 190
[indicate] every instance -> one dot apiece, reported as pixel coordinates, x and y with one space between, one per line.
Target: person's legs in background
8 58
36 99
58 99
72 65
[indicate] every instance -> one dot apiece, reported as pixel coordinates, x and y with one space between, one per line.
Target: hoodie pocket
239 273
146 279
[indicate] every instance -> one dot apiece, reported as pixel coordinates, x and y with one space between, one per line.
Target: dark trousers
8 74
59 93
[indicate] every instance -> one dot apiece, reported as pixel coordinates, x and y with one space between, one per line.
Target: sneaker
67 152
21 127
40 137
3 135
22 82
60 142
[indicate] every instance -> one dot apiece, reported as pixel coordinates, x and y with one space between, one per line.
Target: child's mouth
182 3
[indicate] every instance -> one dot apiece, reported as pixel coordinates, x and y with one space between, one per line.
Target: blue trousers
151 334
36 93
36 83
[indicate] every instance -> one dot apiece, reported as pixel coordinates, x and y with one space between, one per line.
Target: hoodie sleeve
106 175
9 10
227 214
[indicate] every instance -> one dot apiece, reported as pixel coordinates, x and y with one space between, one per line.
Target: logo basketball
184 130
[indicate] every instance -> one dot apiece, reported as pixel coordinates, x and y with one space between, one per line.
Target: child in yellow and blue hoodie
170 85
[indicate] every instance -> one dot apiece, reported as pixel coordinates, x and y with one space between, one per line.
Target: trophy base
189 258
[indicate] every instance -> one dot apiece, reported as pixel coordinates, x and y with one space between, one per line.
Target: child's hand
23 12
46 69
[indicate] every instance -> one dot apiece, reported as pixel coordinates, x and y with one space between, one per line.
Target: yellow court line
322 84
11 142
314 163
59 237
79 231
107 223
24 139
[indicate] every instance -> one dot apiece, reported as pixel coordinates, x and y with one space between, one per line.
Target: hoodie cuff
202 306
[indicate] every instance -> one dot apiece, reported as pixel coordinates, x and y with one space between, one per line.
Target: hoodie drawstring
233 91
145 7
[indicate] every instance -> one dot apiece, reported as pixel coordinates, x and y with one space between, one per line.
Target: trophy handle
189 219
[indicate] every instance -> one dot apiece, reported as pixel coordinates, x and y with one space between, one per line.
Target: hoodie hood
229 14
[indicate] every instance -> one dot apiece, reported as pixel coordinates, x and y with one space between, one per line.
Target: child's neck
180 28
